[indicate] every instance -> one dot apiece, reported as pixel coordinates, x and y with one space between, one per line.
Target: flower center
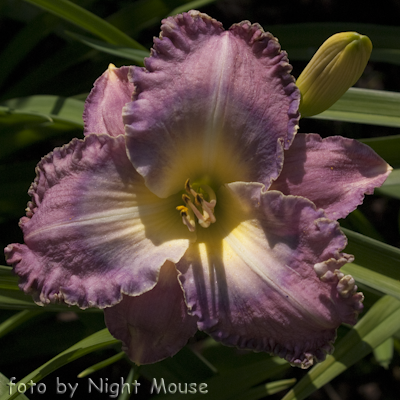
198 204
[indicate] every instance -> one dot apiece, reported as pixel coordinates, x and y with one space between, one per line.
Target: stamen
206 209
186 218
198 202
211 196
196 212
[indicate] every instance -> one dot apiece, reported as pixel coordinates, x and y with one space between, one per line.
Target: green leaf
139 15
185 366
8 280
380 323
23 42
391 187
192 5
360 223
119 51
55 109
31 119
11 116
239 380
17 300
268 389
391 56
15 180
102 364
373 279
11 297
387 147
132 376
375 107
5 389
294 36
97 341
86 20
376 263
384 353
17 319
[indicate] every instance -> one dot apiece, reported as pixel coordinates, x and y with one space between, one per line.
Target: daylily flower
200 208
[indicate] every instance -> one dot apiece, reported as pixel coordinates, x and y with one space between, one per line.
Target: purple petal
250 278
93 230
156 324
103 107
212 103
334 173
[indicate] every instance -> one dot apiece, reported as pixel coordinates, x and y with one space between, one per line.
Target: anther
187 186
198 200
186 218
206 215
189 203
186 198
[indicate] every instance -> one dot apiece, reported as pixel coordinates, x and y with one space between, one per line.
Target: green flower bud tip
336 66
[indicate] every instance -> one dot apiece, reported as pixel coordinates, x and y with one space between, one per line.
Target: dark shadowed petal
211 104
251 281
156 324
103 107
334 173
93 230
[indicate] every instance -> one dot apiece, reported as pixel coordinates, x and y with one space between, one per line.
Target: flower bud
336 66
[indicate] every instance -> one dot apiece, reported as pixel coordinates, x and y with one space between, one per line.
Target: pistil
201 208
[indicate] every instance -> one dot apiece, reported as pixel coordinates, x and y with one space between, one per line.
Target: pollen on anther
197 206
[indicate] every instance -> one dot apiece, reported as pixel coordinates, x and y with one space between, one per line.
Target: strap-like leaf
238 381
17 319
392 185
125 52
88 21
387 147
365 106
97 341
4 388
384 353
376 263
294 36
50 108
267 389
191 5
102 364
380 323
